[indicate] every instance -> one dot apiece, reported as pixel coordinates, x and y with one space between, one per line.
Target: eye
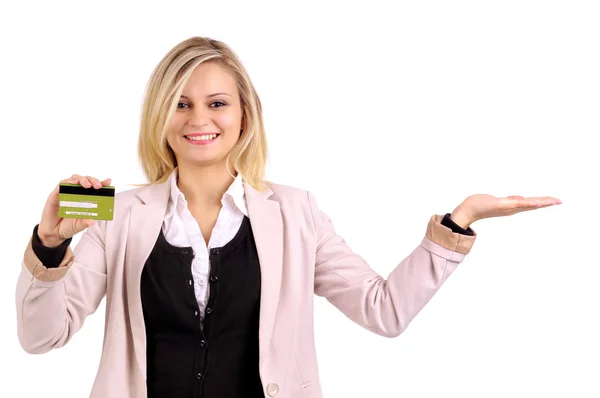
217 104
182 105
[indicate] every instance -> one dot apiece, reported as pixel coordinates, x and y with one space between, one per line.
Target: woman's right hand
54 230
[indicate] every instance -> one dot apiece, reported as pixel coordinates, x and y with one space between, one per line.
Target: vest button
272 389
198 376
202 343
216 252
208 310
214 278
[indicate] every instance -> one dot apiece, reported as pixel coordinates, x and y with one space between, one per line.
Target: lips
201 135
201 138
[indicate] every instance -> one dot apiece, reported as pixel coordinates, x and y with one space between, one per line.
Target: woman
209 272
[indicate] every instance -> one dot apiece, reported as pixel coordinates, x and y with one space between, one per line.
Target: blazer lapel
267 227
144 227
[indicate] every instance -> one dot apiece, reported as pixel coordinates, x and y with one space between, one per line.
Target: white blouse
181 229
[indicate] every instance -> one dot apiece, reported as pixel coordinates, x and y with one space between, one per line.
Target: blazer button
272 389
214 278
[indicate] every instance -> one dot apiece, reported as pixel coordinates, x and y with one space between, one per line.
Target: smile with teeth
207 137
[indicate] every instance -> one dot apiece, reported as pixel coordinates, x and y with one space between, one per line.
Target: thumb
82 224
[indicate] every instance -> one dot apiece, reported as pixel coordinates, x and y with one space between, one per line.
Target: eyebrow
209 96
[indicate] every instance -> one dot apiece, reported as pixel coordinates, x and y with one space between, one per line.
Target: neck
203 185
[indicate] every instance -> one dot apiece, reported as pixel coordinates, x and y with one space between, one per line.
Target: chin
205 160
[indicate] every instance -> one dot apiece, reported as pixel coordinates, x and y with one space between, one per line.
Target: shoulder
129 195
299 206
124 200
296 198
287 192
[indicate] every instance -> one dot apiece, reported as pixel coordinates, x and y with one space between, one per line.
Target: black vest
220 360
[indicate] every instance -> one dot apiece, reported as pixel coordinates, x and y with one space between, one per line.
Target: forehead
209 78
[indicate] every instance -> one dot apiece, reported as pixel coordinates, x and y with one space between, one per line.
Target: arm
52 302
385 307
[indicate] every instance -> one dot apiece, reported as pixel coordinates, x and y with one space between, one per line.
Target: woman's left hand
480 206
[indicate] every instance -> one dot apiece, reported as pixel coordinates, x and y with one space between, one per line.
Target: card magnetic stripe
79 190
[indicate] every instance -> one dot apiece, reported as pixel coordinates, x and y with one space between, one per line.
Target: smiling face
207 122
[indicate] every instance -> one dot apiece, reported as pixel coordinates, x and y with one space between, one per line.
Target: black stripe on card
86 191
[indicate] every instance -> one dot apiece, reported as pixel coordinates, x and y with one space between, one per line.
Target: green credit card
76 201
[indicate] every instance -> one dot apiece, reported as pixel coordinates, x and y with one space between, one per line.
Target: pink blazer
300 256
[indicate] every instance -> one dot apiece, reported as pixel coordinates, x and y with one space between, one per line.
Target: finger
80 225
534 203
71 180
88 223
106 182
94 181
540 198
545 200
85 182
81 180
514 203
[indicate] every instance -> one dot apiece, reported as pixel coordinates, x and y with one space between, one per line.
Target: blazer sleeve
53 302
384 306
51 257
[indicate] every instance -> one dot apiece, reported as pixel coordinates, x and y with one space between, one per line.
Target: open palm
482 206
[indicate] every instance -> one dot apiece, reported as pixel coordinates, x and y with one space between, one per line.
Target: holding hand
54 230
480 206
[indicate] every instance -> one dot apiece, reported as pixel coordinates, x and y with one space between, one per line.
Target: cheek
175 127
177 123
228 121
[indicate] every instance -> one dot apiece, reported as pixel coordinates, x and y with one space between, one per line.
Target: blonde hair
249 155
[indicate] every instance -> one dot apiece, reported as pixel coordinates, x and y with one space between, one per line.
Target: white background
388 113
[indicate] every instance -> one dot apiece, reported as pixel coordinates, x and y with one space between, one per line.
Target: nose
198 117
